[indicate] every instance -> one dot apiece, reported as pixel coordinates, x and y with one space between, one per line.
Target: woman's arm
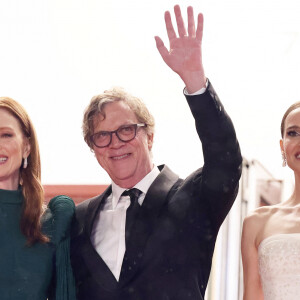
62 209
252 284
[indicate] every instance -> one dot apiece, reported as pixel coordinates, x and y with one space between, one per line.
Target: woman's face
290 143
13 148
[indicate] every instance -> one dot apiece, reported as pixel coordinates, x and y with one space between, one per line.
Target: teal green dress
42 271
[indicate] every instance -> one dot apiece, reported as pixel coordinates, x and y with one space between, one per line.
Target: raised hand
184 56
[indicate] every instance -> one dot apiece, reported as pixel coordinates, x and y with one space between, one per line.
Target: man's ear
150 141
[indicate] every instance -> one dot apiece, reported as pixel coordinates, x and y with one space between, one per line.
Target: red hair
30 178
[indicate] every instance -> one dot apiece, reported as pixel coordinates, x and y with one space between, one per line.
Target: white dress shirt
108 233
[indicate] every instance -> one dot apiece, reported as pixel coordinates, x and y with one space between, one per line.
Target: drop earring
283 158
25 163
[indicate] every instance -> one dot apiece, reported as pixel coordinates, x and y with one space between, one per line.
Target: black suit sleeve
218 183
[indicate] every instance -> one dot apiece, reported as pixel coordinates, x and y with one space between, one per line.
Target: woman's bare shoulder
260 215
255 224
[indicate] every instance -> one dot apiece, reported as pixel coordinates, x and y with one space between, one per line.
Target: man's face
125 162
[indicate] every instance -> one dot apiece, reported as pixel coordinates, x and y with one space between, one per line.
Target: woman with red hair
34 249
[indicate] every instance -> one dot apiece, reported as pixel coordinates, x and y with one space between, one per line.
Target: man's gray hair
95 108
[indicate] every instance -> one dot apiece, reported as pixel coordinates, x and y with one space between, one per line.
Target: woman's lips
3 159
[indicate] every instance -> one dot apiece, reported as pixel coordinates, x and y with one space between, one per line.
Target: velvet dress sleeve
62 209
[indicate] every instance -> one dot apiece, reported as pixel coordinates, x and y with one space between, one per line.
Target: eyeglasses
125 133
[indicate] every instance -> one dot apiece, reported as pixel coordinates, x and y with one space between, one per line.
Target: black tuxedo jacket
170 250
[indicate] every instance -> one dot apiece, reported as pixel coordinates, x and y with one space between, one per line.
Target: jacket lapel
96 265
94 208
145 222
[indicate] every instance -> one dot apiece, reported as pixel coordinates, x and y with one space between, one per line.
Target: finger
199 32
191 22
170 29
161 48
179 21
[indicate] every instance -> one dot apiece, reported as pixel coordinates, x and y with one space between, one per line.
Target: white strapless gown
279 266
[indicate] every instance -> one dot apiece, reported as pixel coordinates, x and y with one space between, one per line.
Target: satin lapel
145 222
94 262
93 209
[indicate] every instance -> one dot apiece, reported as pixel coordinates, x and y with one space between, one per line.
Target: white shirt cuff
199 92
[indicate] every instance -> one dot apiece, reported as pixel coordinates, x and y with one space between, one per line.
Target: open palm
184 56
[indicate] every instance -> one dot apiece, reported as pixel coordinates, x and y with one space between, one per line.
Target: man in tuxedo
151 235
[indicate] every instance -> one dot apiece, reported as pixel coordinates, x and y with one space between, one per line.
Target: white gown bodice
279 266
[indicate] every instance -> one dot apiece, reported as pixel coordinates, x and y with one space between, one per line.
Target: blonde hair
97 103
30 178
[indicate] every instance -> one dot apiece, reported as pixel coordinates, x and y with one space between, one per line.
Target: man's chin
122 177
127 180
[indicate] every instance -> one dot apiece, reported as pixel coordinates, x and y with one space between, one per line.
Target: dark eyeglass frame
135 126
